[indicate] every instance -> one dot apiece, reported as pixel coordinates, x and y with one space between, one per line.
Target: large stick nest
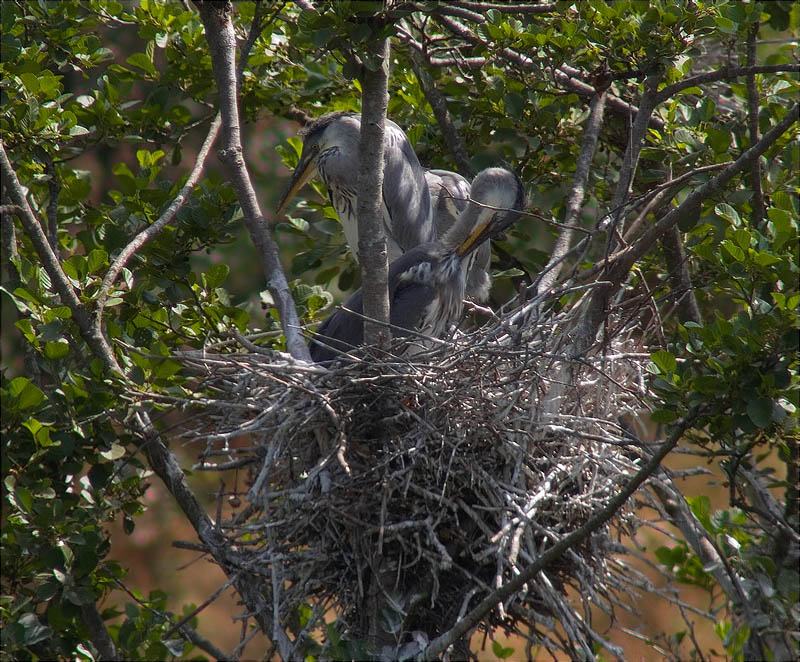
402 491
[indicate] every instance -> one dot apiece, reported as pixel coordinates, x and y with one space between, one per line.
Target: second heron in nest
427 284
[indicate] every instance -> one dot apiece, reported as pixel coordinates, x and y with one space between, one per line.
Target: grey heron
418 204
330 148
449 195
427 283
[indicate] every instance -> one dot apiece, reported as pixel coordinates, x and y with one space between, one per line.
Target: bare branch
591 135
372 249
726 73
510 8
474 616
752 124
630 160
439 106
151 231
679 276
222 46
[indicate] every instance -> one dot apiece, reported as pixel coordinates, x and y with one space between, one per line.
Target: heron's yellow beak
304 171
477 236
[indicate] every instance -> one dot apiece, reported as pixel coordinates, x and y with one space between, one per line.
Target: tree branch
561 77
591 135
630 160
222 47
510 8
618 265
371 236
443 642
98 634
51 264
752 125
725 73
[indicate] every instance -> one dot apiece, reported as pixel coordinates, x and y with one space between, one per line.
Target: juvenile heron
418 205
427 284
330 148
449 195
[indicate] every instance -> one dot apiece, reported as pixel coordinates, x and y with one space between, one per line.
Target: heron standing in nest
418 204
427 284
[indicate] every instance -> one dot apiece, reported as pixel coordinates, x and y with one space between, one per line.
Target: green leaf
97 258
724 210
26 394
664 361
500 651
56 349
759 410
216 275
141 61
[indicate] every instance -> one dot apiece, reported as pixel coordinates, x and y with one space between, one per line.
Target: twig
442 114
222 45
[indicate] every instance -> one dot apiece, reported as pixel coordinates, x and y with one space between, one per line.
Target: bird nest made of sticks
400 492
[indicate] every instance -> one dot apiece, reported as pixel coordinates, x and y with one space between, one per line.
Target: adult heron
418 204
427 284
330 149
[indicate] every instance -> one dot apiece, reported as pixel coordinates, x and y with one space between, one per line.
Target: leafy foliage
102 103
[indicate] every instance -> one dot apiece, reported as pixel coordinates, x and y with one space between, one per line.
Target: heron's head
496 198
334 131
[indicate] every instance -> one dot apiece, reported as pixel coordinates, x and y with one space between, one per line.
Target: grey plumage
427 284
449 195
330 148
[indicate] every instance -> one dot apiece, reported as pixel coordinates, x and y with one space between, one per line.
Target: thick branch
591 135
222 47
510 8
442 114
757 202
98 634
443 642
371 236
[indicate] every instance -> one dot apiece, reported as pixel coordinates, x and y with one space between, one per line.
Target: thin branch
442 114
51 264
561 77
726 73
222 47
679 276
757 202
444 641
591 135
372 250
630 160
510 8
150 232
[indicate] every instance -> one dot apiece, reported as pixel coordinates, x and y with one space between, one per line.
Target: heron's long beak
304 171
491 224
